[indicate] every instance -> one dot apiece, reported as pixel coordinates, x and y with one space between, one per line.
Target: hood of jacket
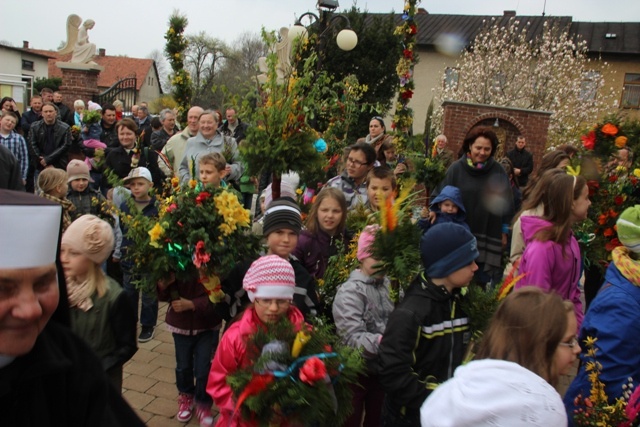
530 226
217 140
510 394
449 192
422 286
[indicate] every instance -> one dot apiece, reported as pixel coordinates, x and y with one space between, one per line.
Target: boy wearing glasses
360 158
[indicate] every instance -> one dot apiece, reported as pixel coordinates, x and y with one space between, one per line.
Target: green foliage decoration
180 79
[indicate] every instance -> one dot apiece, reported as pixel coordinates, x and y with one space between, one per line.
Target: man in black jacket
427 334
10 175
64 113
49 140
234 126
522 161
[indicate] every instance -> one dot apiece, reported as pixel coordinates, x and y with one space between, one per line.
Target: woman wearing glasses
377 134
530 343
359 160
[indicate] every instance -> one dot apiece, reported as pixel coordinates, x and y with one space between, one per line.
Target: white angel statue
283 51
78 41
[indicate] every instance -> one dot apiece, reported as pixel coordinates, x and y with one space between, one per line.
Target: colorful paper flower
313 370
621 141
200 256
589 140
609 129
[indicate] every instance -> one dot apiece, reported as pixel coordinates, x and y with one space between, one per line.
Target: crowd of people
483 211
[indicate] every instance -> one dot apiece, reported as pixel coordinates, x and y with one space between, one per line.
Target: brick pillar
79 81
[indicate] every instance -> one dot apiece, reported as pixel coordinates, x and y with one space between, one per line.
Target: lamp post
346 39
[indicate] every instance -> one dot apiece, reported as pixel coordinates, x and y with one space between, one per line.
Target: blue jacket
614 319
452 193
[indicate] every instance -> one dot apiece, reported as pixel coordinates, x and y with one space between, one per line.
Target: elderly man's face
28 298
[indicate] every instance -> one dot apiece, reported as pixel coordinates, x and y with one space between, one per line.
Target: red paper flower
612 213
408 54
313 370
618 200
614 243
204 195
407 94
413 29
608 232
589 140
199 255
172 207
613 178
602 219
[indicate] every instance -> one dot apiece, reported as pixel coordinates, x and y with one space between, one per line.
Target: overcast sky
137 27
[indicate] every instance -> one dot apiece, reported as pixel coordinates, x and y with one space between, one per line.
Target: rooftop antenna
544 8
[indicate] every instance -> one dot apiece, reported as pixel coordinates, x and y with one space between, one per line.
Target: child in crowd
139 182
387 158
256 227
101 313
195 328
211 169
85 199
551 259
270 284
427 334
380 180
282 225
325 227
53 186
613 318
361 309
446 207
530 343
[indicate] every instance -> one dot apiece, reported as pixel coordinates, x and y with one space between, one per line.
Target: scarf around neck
374 141
80 294
479 165
629 267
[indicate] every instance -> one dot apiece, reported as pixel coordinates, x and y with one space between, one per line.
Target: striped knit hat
270 277
282 213
629 228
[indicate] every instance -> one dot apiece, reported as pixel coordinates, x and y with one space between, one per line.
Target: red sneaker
185 408
203 412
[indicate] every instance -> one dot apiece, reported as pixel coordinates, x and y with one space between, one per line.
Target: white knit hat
270 277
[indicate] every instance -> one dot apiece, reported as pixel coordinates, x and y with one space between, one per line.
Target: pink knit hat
270 277
365 241
90 236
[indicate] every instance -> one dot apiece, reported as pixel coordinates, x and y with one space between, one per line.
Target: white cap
29 230
139 172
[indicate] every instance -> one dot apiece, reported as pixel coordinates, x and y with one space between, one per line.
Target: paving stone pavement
149 380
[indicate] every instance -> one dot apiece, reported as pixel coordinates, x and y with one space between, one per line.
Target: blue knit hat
447 247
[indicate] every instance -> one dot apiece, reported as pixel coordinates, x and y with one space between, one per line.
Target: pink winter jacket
551 266
231 355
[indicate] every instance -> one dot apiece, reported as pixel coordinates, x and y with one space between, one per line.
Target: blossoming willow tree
505 67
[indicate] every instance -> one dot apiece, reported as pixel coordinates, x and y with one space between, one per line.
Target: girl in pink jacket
551 259
270 284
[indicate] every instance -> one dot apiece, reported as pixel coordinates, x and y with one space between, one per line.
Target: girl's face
7 106
567 350
329 215
75 264
480 150
376 187
375 128
127 137
580 206
60 191
390 155
79 109
368 266
271 310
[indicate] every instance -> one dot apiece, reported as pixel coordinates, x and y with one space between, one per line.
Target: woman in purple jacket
551 259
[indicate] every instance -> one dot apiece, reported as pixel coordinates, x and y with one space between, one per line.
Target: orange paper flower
609 129
621 141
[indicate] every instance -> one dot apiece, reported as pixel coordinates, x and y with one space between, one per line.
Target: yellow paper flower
193 183
155 234
636 172
302 338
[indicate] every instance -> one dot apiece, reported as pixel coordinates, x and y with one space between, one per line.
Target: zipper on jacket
452 310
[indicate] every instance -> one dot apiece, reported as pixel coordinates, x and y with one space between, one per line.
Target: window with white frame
631 91
589 85
451 78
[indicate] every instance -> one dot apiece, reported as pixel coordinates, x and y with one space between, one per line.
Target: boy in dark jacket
446 207
427 334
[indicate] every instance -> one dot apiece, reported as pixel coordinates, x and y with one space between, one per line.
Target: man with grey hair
173 150
160 137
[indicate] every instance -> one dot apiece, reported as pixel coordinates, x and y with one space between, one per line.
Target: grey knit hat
282 213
